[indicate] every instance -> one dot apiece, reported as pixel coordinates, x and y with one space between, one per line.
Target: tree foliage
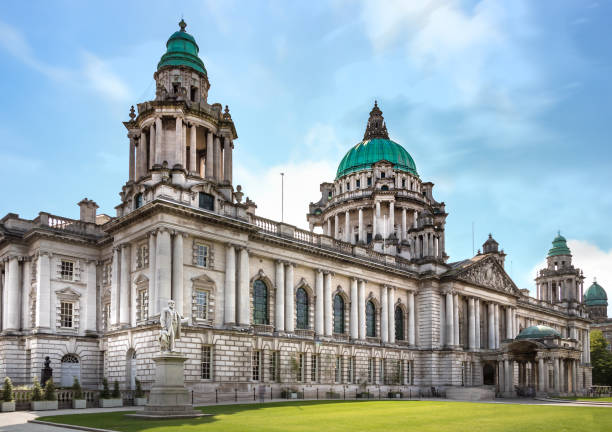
105 391
601 359
37 394
7 390
50 390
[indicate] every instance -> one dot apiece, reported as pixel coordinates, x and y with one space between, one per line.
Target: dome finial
376 127
182 25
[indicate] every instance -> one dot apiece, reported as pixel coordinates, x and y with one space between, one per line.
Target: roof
596 296
182 50
538 332
559 246
375 147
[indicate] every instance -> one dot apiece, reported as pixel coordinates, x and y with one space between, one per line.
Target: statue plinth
168 397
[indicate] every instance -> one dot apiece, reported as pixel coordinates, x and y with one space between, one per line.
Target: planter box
364 395
8 406
111 403
140 401
79 403
44 405
394 395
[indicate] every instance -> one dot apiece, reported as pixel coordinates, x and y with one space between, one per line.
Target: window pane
370 319
302 308
207 202
399 323
66 314
338 314
260 302
201 304
206 362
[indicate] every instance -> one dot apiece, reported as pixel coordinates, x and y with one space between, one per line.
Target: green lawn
387 416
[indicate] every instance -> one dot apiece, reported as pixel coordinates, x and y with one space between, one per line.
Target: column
159 133
391 311
347 226
217 156
411 319
471 324
13 280
209 169
477 323
562 376
508 379
193 148
574 366
24 289
142 155
384 315
91 299
404 221
415 219
319 313
508 323
125 286
336 227
227 160
378 230
43 292
178 142
501 376
556 374
280 296
354 325
152 271
244 317
456 318
329 230
115 278
443 337
491 322
289 301
391 219
163 271
177 272
361 312
541 375
496 330
361 236
450 322
588 340
132 156
152 145
328 304
374 224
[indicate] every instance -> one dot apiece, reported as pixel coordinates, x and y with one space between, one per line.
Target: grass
387 416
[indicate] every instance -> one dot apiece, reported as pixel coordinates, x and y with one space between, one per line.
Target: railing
23 398
65 224
306 236
266 225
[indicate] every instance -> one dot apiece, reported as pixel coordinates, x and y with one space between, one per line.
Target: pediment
67 292
203 279
488 273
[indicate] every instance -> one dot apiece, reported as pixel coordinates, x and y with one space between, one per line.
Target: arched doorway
131 369
71 368
488 374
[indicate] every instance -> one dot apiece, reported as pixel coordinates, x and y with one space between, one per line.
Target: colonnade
154 145
559 290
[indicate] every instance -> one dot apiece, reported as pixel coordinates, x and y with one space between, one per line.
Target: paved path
18 421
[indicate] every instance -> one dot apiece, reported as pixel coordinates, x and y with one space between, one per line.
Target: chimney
88 210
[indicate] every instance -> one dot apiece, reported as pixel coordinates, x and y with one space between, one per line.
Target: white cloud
102 79
593 261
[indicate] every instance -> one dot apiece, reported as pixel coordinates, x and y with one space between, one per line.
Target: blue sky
504 105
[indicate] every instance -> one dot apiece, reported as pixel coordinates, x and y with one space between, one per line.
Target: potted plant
44 401
139 396
8 398
108 399
78 398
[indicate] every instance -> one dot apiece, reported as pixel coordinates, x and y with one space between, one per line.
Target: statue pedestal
168 397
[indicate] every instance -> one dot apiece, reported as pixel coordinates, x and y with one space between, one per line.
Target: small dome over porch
538 332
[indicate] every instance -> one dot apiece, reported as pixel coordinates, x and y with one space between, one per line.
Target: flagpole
282 197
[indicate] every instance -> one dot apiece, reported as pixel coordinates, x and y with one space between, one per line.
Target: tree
7 390
37 394
50 390
78 391
601 359
138 393
105 391
116 393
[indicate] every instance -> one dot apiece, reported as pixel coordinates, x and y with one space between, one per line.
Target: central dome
375 147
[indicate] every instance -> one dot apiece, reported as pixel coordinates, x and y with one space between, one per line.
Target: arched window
260 302
338 314
71 369
370 319
130 369
399 323
301 298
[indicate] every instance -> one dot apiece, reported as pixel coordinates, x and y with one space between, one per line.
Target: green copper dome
182 50
376 146
559 246
538 332
596 296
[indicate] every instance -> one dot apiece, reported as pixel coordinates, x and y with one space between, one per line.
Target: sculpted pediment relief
489 273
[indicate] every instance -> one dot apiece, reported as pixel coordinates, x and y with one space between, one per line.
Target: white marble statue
170 321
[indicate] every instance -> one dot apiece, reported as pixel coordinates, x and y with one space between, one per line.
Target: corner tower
378 201
180 146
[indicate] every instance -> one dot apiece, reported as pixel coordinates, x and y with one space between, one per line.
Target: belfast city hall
367 298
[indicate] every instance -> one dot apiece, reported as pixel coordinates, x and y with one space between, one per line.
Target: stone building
372 301
596 301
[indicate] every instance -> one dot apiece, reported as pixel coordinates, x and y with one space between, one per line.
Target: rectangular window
206 201
142 256
371 370
351 370
67 270
358 184
382 175
274 365
314 368
206 362
201 300
369 181
142 305
403 183
66 314
300 369
338 370
381 371
401 374
256 361
137 201
201 255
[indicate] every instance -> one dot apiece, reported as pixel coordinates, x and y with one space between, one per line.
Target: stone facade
372 301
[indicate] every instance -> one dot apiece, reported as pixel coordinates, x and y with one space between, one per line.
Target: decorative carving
488 273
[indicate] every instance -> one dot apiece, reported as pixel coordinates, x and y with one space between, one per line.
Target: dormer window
137 201
369 181
403 183
206 201
194 94
358 183
382 175
348 186
175 87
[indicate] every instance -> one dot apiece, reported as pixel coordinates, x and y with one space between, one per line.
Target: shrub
116 393
50 391
78 391
105 391
7 390
37 394
139 393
